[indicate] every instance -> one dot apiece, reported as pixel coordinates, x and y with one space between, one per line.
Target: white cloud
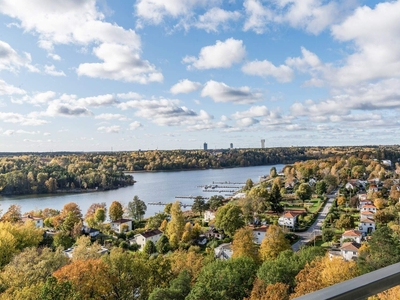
185 86
11 61
109 117
246 122
110 129
220 92
129 95
54 56
257 16
215 18
252 112
57 108
221 55
9 117
120 63
263 68
135 125
97 101
8 89
51 70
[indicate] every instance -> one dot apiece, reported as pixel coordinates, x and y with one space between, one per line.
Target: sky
121 75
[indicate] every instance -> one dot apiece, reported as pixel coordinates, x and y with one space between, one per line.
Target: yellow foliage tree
273 243
322 273
261 291
243 244
163 225
341 200
380 203
176 226
191 261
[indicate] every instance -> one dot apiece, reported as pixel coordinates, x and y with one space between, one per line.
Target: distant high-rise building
262 143
231 145
205 146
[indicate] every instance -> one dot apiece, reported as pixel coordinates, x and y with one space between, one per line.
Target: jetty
191 197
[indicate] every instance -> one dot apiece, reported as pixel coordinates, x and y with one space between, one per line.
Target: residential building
352 234
367 226
92 232
259 234
149 235
213 233
121 225
36 220
369 208
223 251
209 215
349 250
289 219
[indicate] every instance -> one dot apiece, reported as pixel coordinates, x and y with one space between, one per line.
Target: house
354 235
118 225
213 233
36 220
367 214
259 234
349 250
369 208
70 251
387 162
223 251
209 215
92 232
289 219
373 188
150 235
366 226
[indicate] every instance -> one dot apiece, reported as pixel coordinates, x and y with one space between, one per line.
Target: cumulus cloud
51 70
252 112
109 129
135 125
109 117
129 95
263 68
215 18
8 89
120 63
185 86
57 108
97 101
221 55
220 92
11 61
10 117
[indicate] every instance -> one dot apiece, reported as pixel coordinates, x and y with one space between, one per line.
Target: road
307 235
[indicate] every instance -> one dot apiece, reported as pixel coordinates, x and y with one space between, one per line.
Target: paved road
307 235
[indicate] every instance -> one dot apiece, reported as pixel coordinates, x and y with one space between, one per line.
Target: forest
40 173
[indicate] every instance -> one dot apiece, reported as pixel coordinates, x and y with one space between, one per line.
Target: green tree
273 243
162 244
58 290
327 234
304 192
234 280
215 202
321 187
136 209
249 185
100 215
229 218
155 221
345 222
176 226
149 248
116 211
275 198
273 173
178 290
199 205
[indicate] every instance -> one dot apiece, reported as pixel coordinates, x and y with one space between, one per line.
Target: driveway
314 229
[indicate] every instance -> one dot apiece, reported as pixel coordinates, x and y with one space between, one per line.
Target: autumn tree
229 218
176 226
249 185
13 214
321 187
345 222
273 243
243 244
93 208
52 289
273 173
276 291
191 261
136 209
85 249
116 211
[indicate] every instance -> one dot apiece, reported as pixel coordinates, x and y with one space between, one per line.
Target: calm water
150 187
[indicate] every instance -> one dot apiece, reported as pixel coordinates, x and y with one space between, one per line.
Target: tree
13 214
62 239
84 249
100 215
345 222
327 234
155 221
275 198
167 208
234 280
321 187
215 201
276 291
304 192
229 218
58 290
243 244
136 209
178 290
199 205
149 248
331 180
191 261
380 203
249 185
116 211
273 243
176 226
272 172
93 208
162 244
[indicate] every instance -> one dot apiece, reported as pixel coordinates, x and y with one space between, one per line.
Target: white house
149 235
259 234
209 215
387 162
349 250
36 220
118 225
366 226
352 234
92 232
223 251
288 219
368 207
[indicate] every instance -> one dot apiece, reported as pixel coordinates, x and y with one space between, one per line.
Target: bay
149 186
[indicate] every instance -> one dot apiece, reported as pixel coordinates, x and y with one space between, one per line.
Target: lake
150 187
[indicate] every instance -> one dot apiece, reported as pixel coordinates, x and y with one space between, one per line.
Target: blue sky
153 74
